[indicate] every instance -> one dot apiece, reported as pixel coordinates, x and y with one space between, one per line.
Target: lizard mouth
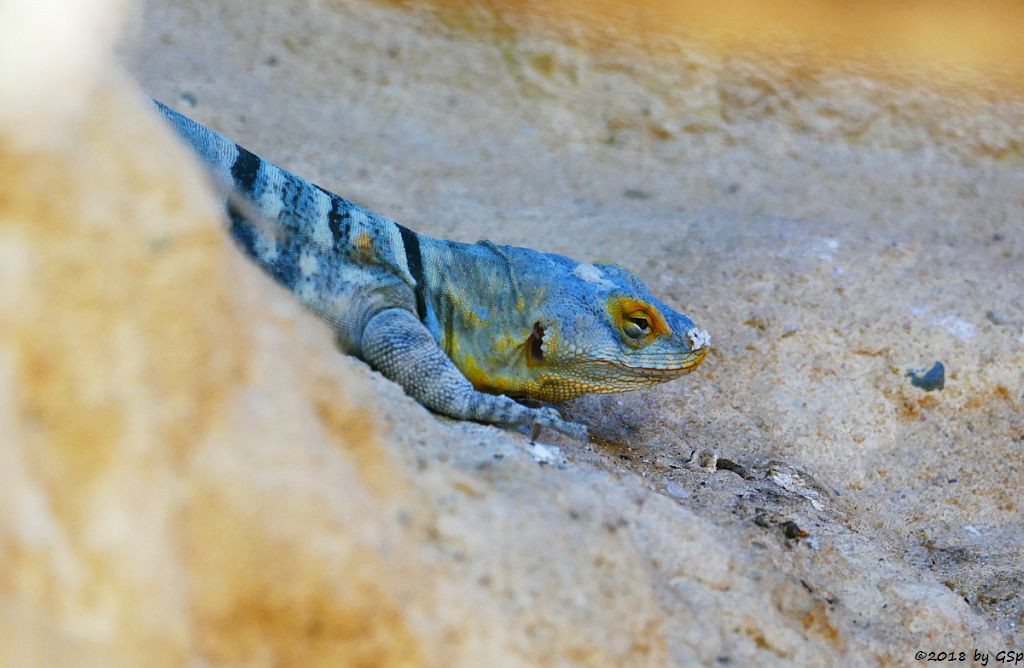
672 368
694 359
607 376
647 370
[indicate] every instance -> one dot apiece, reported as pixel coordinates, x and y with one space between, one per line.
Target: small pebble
704 458
930 380
797 482
545 454
673 488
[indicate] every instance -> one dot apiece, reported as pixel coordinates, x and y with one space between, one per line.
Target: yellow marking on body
483 381
506 343
363 245
486 381
465 311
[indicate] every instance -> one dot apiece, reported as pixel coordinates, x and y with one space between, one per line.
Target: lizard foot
399 346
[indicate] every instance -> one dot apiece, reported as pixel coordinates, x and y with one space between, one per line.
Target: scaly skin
461 327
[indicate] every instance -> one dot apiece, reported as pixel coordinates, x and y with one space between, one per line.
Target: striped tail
274 214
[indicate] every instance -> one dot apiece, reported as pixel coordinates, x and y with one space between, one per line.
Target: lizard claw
549 417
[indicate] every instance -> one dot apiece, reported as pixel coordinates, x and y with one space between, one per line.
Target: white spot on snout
698 338
591 274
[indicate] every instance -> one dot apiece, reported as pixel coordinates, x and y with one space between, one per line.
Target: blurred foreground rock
188 478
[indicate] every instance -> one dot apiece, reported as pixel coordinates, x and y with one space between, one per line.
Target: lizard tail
273 213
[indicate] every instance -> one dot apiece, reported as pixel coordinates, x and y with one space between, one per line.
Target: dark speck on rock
793 531
733 188
997 318
930 380
271 61
729 465
633 193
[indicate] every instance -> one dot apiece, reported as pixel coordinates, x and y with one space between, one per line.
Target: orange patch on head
626 307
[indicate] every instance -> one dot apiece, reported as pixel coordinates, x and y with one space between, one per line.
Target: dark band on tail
337 220
414 259
245 169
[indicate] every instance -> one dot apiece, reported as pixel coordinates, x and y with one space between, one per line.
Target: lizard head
602 331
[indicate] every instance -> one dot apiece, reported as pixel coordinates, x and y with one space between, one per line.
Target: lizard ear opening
535 345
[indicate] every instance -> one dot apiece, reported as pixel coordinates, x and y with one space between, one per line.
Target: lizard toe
549 417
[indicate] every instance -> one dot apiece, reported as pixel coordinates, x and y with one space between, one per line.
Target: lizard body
461 327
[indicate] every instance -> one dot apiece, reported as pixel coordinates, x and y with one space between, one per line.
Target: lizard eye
636 326
637 322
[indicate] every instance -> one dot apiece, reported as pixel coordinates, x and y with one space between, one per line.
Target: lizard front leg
397 344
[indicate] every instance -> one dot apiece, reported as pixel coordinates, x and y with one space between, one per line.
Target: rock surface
194 475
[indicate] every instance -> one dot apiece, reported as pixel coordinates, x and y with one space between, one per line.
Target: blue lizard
461 327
